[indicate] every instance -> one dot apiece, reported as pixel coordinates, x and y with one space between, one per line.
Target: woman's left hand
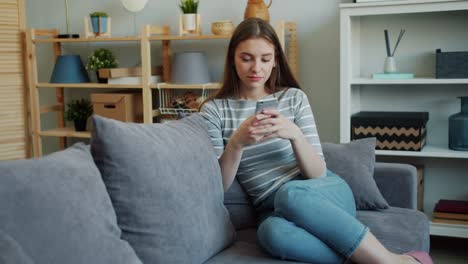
275 126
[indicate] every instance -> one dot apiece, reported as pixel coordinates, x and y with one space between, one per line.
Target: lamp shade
134 5
190 67
69 69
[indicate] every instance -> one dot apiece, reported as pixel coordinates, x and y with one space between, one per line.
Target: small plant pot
189 22
99 25
99 79
80 125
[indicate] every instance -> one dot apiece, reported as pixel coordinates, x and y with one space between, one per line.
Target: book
452 206
451 216
127 72
367 1
450 221
392 76
132 80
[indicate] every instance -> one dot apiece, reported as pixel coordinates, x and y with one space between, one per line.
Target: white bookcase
429 25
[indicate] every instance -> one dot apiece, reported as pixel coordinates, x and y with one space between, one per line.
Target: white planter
189 22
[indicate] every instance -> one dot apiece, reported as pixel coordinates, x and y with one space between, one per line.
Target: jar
458 127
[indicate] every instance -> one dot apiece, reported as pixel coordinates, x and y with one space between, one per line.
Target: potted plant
101 58
78 111
99 22
189 9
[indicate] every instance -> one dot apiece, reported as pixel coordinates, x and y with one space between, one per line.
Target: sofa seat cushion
11 252
246 250
399 229
57 209
166 186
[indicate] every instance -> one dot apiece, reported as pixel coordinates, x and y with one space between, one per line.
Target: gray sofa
128 201
400 228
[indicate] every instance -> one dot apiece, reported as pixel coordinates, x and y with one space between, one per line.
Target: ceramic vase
458 127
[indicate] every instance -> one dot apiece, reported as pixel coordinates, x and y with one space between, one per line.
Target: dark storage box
451 65
393 130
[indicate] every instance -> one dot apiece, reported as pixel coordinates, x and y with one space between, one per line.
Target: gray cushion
240 208
355 162
399 229
246 250
11 252
58 210
165 183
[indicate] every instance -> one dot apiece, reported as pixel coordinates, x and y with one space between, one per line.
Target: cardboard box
127 72
126 107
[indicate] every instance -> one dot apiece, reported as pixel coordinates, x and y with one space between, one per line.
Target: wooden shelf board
88 85
186 86
429 151
409 81
100 39
65 132
189 37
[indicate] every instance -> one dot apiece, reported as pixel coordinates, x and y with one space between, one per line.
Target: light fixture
190 67
134 5
68 35
69 69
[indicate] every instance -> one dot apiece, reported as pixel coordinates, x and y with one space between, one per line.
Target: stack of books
392 76
451 212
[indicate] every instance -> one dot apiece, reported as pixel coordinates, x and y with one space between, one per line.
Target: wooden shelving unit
361 55
148 35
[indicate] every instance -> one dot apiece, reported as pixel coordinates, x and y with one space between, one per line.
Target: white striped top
264 166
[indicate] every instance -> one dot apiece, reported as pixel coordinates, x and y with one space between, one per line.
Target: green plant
101 58
98 14
79 110
189 6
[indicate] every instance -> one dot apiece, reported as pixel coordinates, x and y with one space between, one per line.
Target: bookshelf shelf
429 151
211 86
89 85
362 53
371 81
65 132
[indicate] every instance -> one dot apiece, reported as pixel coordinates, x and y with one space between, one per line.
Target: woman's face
254 59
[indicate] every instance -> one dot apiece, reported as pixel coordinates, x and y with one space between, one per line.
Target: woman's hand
275 125
244 136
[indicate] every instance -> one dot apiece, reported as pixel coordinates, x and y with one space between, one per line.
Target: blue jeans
311 220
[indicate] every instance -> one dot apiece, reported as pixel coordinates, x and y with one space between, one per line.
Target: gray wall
318 43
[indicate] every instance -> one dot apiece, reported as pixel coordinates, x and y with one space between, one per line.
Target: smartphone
267 104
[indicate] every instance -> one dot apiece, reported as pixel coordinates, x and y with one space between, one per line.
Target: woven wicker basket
222 27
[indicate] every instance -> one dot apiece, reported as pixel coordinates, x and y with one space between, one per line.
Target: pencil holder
390 65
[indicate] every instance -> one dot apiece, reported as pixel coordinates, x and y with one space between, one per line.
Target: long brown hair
281 75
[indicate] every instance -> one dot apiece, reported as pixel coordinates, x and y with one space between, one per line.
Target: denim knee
272 237
285 197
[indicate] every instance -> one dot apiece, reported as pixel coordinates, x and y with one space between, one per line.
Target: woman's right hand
243 136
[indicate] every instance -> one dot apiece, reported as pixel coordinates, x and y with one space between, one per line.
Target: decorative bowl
222 27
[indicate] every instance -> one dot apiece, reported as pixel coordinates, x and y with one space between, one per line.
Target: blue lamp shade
69 69
190 67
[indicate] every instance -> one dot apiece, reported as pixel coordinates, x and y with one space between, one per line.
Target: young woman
306 213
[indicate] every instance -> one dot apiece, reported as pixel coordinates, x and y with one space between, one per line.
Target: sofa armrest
397 183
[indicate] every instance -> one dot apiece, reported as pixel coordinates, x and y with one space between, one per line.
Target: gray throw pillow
355 162
58 210
165 183
11 252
